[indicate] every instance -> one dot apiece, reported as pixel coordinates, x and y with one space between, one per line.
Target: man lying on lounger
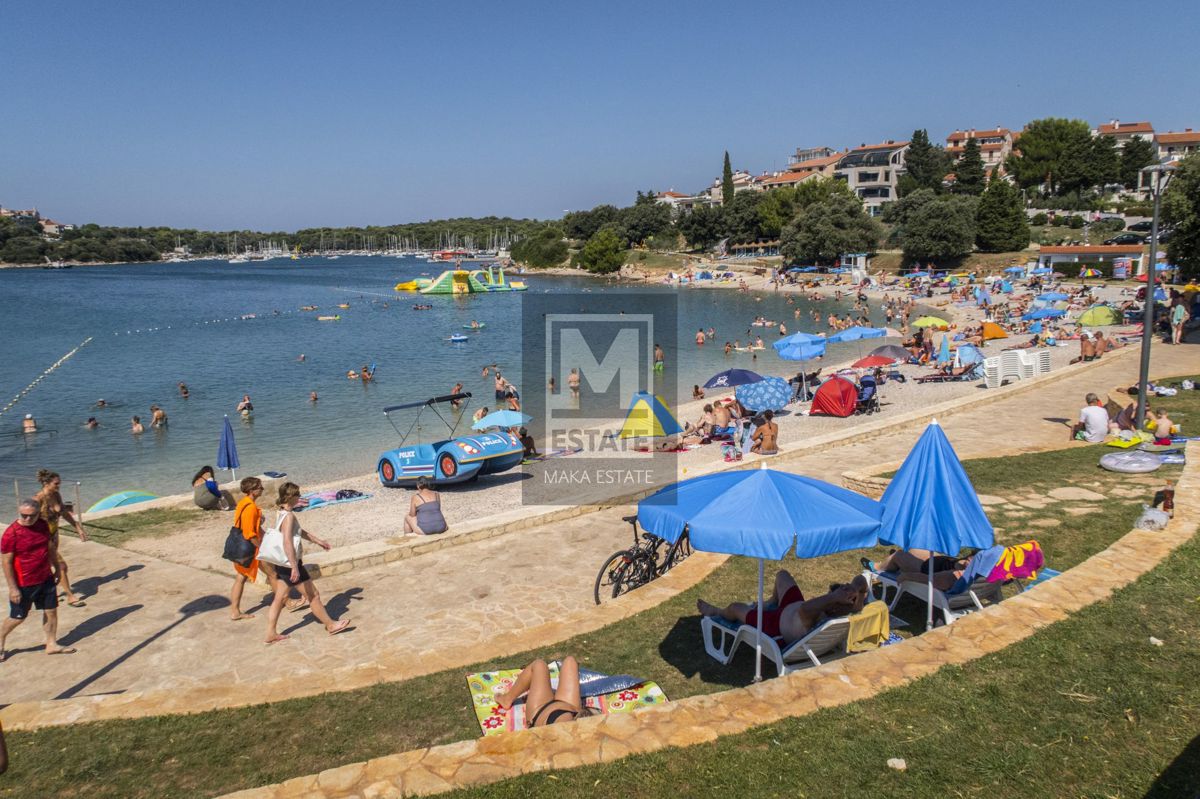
794 617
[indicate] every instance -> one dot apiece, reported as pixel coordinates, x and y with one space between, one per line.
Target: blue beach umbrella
503 418
1053 296
733 377
1036 327
967 354
857 332
797 338
1015 270
227 457
770 393
931 504
917 274
944 351
1160 294
762 513
802 351
1043 313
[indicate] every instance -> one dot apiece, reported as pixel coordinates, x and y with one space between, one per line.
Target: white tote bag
272 551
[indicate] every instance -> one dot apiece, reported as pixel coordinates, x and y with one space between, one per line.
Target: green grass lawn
1086 707
117 530
217 752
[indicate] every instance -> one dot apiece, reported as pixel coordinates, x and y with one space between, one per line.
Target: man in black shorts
27 551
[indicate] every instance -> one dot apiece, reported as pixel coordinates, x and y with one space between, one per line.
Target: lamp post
1158 170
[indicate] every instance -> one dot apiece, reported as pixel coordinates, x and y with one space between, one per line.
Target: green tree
775 209
582 225
641 221
1104 163
936 227
1041 152
1136 154
604 252
969 175
703 226
824 230
726 181
811 192
925 165
543 249
741 217
1000 221
1181 211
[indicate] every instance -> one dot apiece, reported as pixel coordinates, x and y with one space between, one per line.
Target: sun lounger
954 606
722 638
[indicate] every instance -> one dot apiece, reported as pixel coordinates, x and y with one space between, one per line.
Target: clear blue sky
281 115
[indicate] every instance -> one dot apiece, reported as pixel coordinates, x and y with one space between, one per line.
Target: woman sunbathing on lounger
947 571
546 705
792 616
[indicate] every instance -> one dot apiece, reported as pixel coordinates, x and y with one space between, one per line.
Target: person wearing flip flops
27 551
52 509
286 568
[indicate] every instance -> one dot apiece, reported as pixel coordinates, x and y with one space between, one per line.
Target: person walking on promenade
247 518
286 576
27 551
1179 316
51 508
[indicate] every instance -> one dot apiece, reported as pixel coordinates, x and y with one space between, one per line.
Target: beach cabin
1101 256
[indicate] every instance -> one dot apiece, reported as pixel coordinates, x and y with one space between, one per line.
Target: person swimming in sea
183 389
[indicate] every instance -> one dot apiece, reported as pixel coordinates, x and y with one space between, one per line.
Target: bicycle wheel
611 581
678 551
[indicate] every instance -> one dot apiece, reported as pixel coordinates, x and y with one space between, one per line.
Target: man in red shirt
27 552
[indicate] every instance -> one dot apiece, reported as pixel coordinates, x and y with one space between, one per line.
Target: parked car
1165 235
1126 238
1143 226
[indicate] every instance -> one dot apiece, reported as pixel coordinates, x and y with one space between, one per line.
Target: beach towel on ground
319 499
868 628
622 694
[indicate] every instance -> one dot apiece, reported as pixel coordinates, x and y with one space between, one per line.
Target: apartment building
1121 132
1173 146
995 145
872 171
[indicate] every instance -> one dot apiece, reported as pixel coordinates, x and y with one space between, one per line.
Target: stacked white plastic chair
991 372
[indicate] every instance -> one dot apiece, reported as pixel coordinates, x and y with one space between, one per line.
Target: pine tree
1136 153
1001 225
726 181
925 166
969 177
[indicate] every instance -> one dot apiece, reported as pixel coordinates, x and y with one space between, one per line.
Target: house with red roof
995 144
1121 132
1175 145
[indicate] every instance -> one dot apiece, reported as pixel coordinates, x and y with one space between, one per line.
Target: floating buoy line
21 394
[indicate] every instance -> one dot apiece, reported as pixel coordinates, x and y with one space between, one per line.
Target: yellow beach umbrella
931 321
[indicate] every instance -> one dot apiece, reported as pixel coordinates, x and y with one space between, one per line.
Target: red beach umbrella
872 361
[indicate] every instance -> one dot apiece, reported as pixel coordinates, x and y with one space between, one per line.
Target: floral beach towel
493 719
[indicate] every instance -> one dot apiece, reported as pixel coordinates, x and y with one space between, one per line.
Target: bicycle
634 567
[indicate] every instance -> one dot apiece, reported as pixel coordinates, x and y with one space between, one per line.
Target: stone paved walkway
156 638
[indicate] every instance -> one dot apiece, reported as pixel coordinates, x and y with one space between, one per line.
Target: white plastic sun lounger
953 606
722 638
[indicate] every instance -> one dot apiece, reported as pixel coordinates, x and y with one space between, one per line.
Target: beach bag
272 551
731 453
238 548
1152 519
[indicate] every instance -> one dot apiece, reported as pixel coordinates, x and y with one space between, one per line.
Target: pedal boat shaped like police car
455 459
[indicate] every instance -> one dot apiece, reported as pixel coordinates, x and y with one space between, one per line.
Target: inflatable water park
464 281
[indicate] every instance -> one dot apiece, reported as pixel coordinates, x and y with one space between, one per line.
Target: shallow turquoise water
155 325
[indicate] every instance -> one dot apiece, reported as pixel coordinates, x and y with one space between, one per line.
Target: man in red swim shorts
793 616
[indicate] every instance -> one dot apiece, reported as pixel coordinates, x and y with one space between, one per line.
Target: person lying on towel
547 705
792 616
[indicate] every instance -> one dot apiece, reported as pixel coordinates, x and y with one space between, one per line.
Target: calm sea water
153 326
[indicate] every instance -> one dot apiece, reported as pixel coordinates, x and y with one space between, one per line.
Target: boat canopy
428 402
